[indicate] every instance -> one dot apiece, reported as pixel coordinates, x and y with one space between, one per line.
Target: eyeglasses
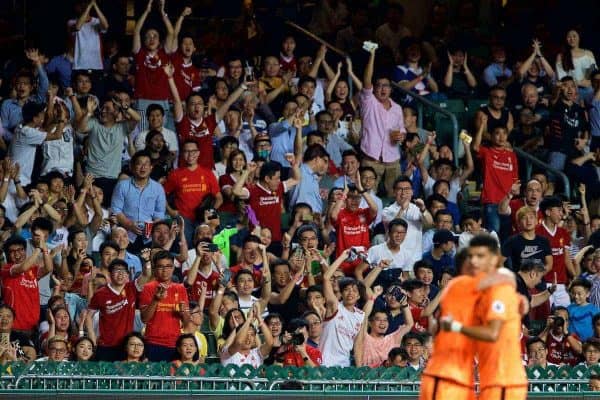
163 267
135 344
61 209
404 189
191 151
325 121
498 97
57 351
383 85
119 271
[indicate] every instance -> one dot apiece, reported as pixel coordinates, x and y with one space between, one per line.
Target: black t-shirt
516 249
567 123
524 290
22 341
291 308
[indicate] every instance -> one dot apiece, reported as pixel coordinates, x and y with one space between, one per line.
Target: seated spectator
591 353
440 256
84 349
413 344
424 273
443 220
538 353
594 383
536 71
58 350
397 357
497 73
498 115
315 327
576 63
134 348
563 347
297 352
459 81
415 293
414 74
187 350
242 346
471 226
14 346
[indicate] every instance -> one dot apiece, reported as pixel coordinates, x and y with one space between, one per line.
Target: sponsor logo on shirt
529 251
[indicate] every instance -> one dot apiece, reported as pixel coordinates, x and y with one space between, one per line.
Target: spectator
412 75
119 78
315 325
529 276
297 352
580 311
187 350
156 117
459 81
415 293
594 383
591 353
397 357
443 220
440 257
415 214
372 348
538 353
84 350
560 243
242 345
163 304
533 197
498 115
576 63
314 166
342 318
58 350
392 31
116 306
134 348
413 343
11 110
20 276
105 139
382 127
471 226
536 71
138 201
8 350
497 73
500 171
563 347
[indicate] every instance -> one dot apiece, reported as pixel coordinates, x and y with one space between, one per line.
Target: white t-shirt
169 135
22 150
58 154
400 259
253 358
88 46
454 188
337 339
413 242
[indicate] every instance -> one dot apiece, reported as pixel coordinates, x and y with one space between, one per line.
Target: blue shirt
282 141
445 262
139 204
595 117
494 73
11 111
335 146
307 191
133 262
580 320
63 67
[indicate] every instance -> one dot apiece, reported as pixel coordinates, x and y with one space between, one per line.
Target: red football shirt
294 359
190 188
150 80
560 241
500 171
117 312
187 76
268 207
22 294
560 351
227 181
352 229
201 134
421 323
165 326
212 284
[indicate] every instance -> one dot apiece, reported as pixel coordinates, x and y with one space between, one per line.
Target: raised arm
504 205
469 167
238 188
171 38
359 341
101 17
368 74
332 82
357 83
187 11
82 120
84 16
317 62
479 135
233 97
137 31
177 104
331 301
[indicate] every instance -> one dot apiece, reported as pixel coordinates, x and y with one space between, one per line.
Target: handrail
439 109
534 160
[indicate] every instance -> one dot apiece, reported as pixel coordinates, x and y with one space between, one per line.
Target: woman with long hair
577 63
160 156
134 348
236 164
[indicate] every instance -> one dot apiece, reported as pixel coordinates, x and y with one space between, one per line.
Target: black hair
350 152
322 112
550 202
485 240
397 351
232 155
269 169
536 339
397 222
83 339
154 107
126 339
443 211
111 244
313 151
138 155
226 328
316 289
162 255
584 283
412 335
305 79
73 232
530 265
226 141
314 133
184 336
435 197
273 315
43 224
117 263
243 272
14 240
412 284
31 110
474 214
345 282
401 179
367 168
12 310
422 264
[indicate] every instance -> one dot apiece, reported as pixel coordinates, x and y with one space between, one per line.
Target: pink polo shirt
377 122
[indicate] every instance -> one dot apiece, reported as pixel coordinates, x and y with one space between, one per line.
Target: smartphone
307 218
574 206
5 339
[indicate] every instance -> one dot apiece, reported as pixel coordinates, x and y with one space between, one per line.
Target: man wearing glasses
116 304
382 127
164 305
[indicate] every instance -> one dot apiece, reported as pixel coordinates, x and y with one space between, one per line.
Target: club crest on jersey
498 307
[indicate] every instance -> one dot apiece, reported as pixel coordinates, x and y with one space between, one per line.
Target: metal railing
529 159
423 101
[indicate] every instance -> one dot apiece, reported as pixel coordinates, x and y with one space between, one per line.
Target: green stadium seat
580 372
453 105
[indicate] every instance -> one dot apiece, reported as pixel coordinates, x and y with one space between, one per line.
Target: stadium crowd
285 200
